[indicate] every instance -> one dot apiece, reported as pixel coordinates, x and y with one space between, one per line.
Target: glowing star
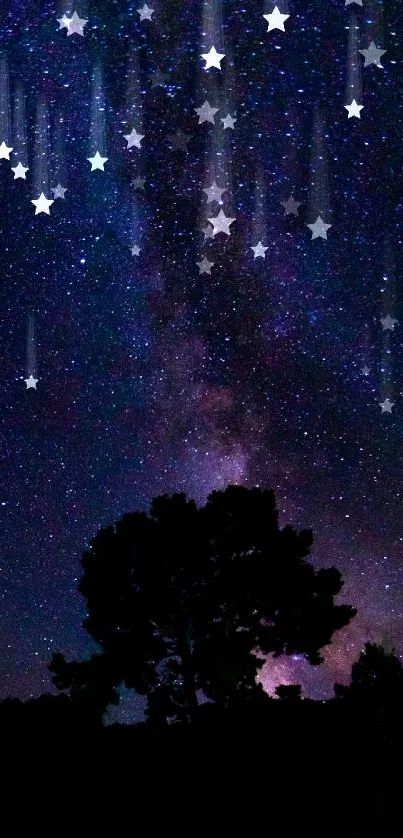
31 382
63 22
319 228
388 322
97 162
221 223
228 121
372 55
58 191
135 250
259 250
42 204
386 406
4 151
205 266
213 58
214 193
291 206
134 139
76 25
276 20
145 13
20 171
206 113
354 109
365 370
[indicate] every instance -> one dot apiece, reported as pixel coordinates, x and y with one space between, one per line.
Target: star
221 223
229 121
213 58
63 22
354 109
139 182
134 139
20 171
42 204
58 191
205 266
388 322
31 382
259 250
386 406
97 162
291 206
372 55
158 78
76 25
276 20
179 140
206 113
145 13
208 231
4 151
319 228
214 193
365 370
347 3
135 250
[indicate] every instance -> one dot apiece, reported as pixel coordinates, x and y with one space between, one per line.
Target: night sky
156 374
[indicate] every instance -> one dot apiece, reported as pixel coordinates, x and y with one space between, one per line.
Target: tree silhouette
185 599
376 677
288 692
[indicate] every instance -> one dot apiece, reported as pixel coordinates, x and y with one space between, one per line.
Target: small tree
376 677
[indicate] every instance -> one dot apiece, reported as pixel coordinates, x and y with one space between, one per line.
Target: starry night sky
154 377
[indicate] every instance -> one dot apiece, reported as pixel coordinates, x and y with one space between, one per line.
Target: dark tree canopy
184 599
376 677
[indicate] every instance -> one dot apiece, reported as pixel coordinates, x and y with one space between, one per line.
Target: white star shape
4 151
386 406
145 12
205 266
58 191
134 139
214 193
365 370
213 58
97 162
42 204
319 228
228 121
291 206
221 223
31 382
259 250
206 113
276 20
20 171
388 322
354 109
63 22
372 55
135 250
75 25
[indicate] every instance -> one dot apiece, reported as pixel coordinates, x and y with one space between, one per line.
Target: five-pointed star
259 250
386 406
228 121
76 25
213 58
135 250
372 55
58 191
214 192
139 182
19 171
134 139
319 228
365 370
276 20
31 382
388 322
208 231
63 21
42 204
158 78
206 113
179 141
97 162
4 151
145 13
354 109
221 223
291 206
205 266
359 2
